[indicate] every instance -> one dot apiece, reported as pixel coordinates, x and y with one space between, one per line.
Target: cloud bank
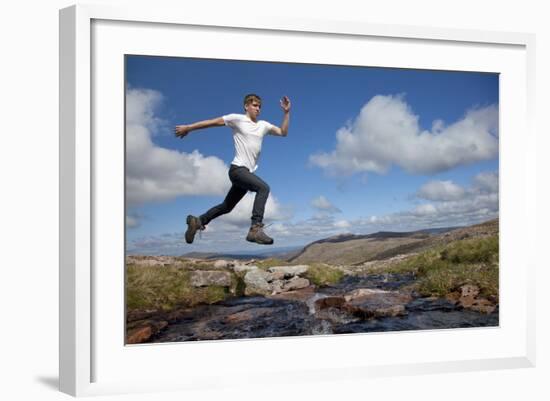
157 174
386 132
449 204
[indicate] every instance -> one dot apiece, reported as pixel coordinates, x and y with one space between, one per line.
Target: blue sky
368 149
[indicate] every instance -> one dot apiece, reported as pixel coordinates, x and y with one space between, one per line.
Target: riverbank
178 299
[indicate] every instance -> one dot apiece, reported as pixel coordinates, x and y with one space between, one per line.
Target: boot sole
259 242
189 235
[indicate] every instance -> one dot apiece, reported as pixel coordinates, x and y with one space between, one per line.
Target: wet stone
431 304
420 321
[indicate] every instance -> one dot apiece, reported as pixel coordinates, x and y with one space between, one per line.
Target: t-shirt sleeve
268 128
231 119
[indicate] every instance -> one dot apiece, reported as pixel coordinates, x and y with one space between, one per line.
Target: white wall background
29 200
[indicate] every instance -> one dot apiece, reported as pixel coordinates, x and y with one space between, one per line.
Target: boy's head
250 98
252 105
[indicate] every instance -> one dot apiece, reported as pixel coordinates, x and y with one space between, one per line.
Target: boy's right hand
181 130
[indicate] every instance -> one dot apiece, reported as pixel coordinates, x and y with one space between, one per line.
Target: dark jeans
243 181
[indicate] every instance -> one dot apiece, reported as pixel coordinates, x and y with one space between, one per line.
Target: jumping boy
248 133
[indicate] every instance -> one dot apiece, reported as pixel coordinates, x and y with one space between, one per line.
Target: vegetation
444 269
439 271
322 274
164 288
270 262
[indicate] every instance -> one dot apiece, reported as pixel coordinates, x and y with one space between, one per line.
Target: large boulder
257 283
289 271
244 268
295 283
207 278
368 303
263 283
222 264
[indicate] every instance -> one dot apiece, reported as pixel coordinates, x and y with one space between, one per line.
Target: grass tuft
443 270
270 262
164 288
322 274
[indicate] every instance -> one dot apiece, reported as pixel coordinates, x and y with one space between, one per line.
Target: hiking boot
257 235
194 224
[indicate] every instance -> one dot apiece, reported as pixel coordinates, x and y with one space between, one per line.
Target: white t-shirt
248 136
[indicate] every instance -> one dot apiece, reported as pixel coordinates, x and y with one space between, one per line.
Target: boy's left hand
285 104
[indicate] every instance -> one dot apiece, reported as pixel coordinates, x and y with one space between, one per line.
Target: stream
320 312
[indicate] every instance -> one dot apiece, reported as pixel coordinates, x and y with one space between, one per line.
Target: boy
248 133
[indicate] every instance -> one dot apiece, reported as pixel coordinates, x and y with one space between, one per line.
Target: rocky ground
284 300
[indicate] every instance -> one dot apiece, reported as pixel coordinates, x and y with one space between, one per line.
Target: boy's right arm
183 130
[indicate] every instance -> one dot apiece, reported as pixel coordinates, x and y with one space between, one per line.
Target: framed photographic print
256 190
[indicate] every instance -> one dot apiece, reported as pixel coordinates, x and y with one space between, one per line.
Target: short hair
250 98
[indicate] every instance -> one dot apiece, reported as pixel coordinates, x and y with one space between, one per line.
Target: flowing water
258 317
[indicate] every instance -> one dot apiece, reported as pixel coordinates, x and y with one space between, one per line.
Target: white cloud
450 205
441 191
154 173
342 224
240 216
386 132
424 210
486 182
323 204
480 202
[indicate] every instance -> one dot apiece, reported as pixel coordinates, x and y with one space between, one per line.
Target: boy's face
253 109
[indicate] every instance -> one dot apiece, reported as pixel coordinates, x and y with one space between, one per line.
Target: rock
222 264
363 292
483 306
263 283
206 278
277 287
466 302
139 335
431 304
375 309
244 268
140 332
289 271
256 282
296 283
299 295
453 297
329 302
469 290
276 276
368 303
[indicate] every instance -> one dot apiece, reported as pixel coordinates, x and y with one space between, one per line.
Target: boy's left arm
283 130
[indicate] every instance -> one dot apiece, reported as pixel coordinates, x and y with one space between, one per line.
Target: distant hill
352 249
280 253
226 256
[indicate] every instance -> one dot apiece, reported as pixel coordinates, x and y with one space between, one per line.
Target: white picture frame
93 357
